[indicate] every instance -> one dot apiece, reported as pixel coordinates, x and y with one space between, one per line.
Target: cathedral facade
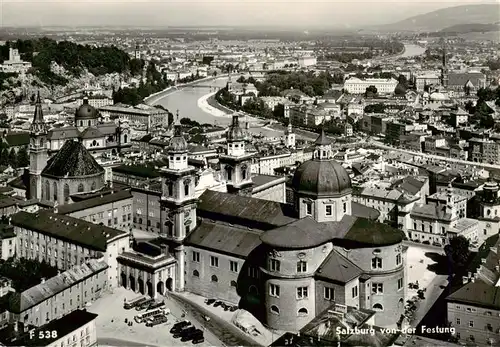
285 263
71 170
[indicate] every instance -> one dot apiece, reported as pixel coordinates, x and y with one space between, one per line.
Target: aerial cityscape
285 174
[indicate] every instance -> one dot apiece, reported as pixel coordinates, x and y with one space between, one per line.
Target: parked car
199 339
209 301
191 335
233 308
185 330
178 326
218 303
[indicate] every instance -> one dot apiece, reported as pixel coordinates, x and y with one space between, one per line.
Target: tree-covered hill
73 57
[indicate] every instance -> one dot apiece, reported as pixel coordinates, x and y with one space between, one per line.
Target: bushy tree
23 159
458 253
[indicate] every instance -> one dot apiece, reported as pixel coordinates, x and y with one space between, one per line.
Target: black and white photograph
222 173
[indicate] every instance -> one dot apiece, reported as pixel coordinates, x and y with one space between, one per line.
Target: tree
371 91
13 158
4 156
23 159
457 252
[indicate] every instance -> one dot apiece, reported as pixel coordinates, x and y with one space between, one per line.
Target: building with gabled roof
68 291
64 241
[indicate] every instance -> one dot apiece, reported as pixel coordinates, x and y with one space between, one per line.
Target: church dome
326 178
178 143
235 133
86 111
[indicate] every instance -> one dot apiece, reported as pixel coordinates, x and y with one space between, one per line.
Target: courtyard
113 331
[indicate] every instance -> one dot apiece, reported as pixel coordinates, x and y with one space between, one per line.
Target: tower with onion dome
178 201
236 162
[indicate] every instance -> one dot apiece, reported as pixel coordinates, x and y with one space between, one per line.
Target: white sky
289 13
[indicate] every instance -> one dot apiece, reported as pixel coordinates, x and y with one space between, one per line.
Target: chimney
43 280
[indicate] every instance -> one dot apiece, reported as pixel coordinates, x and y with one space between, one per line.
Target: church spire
38 124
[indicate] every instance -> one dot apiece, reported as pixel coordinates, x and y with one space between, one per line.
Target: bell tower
38 151
178 200
289 136
444 67
235 164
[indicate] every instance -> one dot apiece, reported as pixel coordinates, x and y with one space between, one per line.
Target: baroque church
285 263
71 170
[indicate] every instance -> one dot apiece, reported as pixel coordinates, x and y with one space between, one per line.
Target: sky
162 13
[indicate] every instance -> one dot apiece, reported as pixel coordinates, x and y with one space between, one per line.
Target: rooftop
94 202
20 302
477 293
67 228
229 239
339 269
64 326
72 160
240 209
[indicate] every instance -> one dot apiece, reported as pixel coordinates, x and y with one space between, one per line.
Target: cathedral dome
235 133
178 143
86 111
326 178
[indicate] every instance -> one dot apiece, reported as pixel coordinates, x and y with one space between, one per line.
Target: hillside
447 17
471 28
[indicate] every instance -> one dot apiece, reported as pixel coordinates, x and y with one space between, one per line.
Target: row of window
377 261
214 261
300 312
275 266
443 229
328 209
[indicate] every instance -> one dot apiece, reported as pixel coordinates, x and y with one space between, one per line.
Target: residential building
78 327
356 85
65 241
59 295
140 115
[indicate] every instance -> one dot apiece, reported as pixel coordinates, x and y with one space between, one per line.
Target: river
187 99
412 50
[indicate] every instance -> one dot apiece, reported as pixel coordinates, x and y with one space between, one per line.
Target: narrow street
434 290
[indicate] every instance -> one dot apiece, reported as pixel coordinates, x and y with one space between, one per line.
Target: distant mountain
446 17
471 28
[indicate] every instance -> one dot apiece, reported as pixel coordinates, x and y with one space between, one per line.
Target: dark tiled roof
228 239
306 233
260 180
6 231
64 326
96 201
479 294
338 268
17 139
241 209
72 160
20 302
67 228
138 170
360 210
69 132
367 232
460 79
91 133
